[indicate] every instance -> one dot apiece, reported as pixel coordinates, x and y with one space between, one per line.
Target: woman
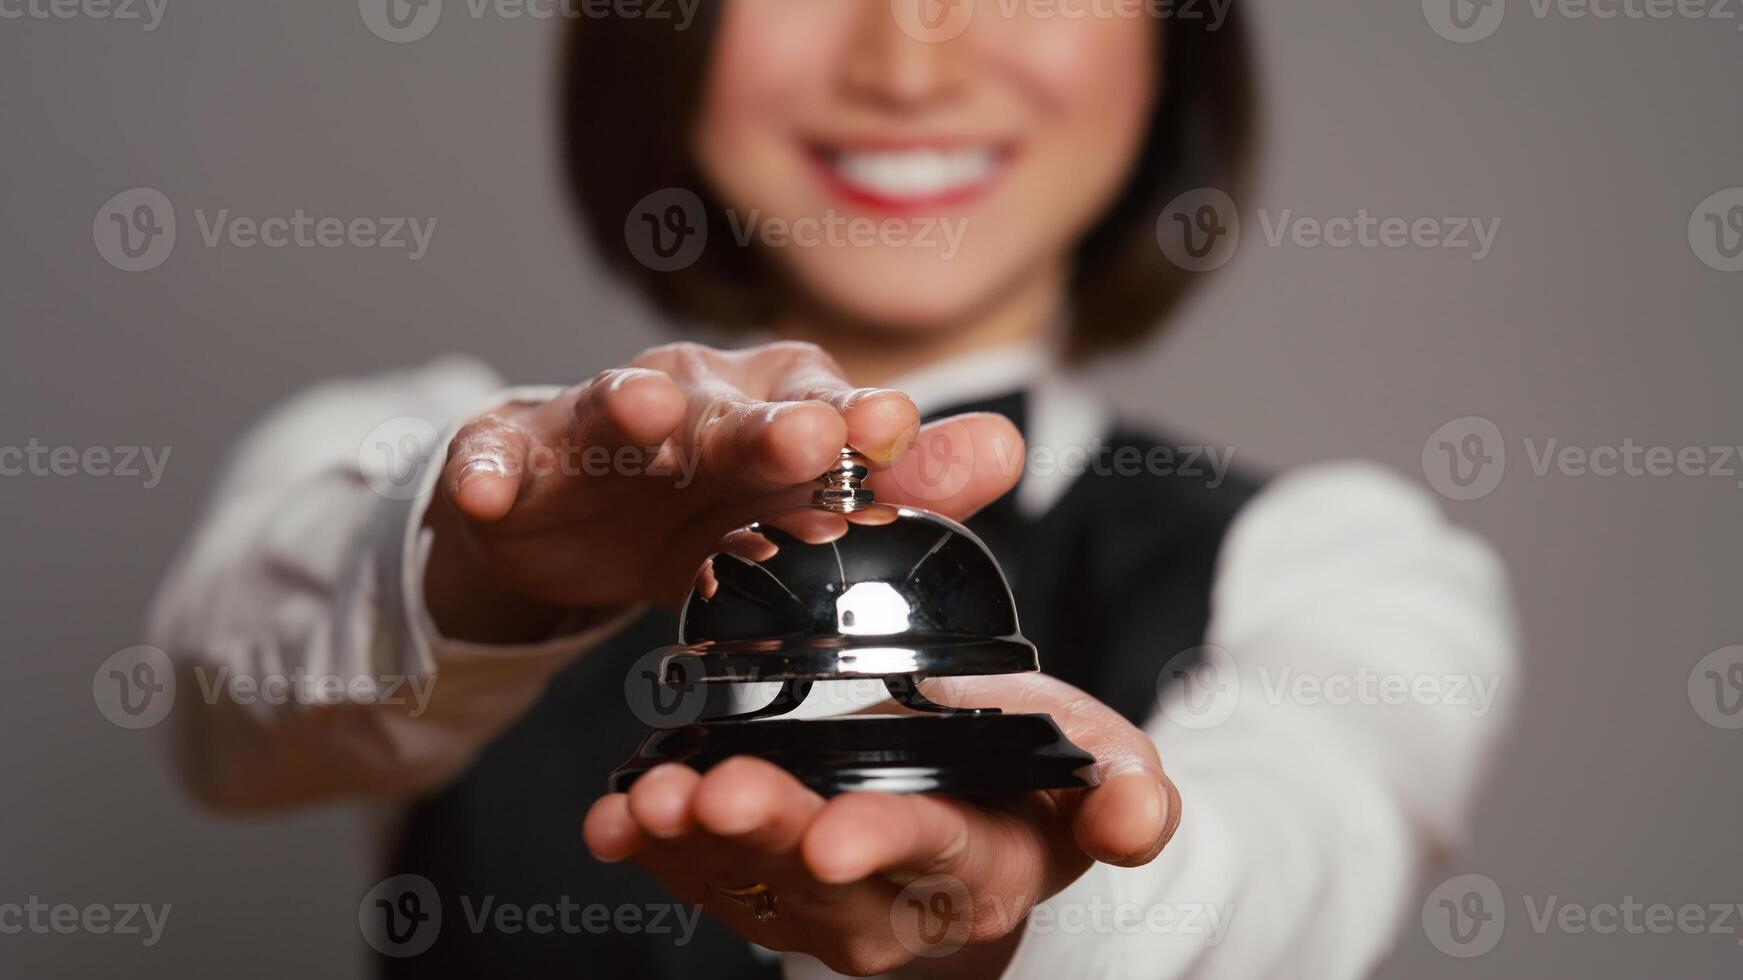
525 590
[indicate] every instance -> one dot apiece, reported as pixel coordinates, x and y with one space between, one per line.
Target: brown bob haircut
631 88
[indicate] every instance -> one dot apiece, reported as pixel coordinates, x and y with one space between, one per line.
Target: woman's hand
869 882
612 493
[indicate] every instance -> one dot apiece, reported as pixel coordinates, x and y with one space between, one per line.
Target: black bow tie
1000 524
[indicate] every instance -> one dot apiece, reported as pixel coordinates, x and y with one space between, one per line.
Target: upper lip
872 144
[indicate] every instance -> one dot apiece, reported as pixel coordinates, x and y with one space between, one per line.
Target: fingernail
1171 800
475 469
867 394
903 440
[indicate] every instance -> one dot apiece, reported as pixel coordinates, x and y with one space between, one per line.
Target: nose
896 61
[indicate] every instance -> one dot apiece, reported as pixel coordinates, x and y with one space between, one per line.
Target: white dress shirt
1362 660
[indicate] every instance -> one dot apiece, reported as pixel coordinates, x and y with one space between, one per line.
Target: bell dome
848 587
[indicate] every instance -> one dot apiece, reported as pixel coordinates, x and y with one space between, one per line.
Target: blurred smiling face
955 173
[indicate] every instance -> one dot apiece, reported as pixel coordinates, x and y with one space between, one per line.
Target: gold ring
758 899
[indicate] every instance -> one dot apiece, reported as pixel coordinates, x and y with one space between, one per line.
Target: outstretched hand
857 876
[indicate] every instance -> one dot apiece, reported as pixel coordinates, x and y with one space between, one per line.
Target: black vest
1111 585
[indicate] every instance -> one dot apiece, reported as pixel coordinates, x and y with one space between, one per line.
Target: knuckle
681 351
485 429
603 384
800 354
711 410
791 348
604 378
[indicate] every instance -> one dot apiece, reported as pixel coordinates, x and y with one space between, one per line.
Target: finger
746 444
860 834
881 423
630 406
955 466
750 448
757 804
660 800
486 467
1128 819
611 833
1134 809
582 436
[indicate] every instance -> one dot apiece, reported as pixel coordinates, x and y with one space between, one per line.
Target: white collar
1061 411
976 375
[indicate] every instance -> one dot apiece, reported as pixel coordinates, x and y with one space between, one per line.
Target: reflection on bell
851 588
871 609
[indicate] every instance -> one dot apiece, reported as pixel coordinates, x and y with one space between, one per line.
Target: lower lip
872 200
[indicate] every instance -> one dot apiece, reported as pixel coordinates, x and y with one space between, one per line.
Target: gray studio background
1592 321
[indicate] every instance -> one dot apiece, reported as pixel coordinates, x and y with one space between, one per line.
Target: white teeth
914 173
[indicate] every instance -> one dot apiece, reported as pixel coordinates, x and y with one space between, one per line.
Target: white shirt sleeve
1362 654
307 666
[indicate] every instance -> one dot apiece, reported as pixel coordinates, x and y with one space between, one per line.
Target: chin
901 293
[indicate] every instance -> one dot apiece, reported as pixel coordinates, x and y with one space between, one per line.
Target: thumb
955 466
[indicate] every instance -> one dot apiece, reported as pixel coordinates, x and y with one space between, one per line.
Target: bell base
956 754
